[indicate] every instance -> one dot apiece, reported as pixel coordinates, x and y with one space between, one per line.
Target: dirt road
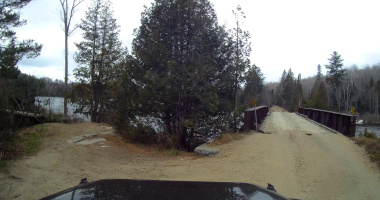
320 166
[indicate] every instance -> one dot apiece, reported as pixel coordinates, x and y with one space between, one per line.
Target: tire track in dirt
325 165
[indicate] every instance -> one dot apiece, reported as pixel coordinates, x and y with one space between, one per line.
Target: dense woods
186 78
338 90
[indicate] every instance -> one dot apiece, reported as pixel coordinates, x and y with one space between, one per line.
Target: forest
186 78
353 87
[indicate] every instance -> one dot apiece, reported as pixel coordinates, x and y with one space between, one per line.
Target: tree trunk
377 104
66 74
66 59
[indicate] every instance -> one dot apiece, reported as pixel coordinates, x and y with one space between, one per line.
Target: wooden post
256 118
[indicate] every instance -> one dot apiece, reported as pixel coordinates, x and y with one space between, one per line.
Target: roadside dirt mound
277 109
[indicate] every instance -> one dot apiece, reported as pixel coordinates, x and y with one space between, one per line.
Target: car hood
151 189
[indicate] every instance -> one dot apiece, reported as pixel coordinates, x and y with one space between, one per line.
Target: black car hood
150 189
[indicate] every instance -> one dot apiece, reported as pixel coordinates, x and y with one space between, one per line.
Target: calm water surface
374 129
55 105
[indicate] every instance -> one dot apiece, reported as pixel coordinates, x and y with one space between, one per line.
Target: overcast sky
295 34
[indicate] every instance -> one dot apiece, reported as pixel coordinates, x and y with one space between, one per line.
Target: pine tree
183 63
242 50
280 90
288 89
318 79
335 76
17 90
335 71
99 55
318 96
253 86
11 50
298 94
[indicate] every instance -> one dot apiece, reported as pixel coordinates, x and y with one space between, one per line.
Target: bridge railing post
249 117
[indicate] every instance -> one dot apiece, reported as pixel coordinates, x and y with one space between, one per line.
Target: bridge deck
322 164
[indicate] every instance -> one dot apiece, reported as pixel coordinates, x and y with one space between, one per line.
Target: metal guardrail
249 117
340 122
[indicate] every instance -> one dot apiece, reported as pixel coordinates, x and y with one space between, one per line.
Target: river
55 105
371 128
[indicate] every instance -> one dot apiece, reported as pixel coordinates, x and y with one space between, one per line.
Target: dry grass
26 142
226 138
372 146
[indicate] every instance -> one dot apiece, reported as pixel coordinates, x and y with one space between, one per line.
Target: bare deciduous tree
67 12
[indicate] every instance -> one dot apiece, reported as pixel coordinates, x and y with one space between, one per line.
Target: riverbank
360 129
371 142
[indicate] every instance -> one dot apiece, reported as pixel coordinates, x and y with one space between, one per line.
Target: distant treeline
353 86
53 88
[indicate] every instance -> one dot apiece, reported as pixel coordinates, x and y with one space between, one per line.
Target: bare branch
72 31
67 14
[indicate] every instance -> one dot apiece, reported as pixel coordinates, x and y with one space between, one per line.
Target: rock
110 132
77 139
206 150
107 128
90 135
92 141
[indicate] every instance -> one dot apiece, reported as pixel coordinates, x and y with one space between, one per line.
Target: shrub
372 145
17 144
368 134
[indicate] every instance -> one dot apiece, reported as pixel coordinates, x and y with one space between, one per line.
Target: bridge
309 161
334 121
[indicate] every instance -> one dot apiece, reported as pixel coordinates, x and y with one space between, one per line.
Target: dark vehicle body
150 189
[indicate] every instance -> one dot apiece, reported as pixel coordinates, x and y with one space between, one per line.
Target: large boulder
206 150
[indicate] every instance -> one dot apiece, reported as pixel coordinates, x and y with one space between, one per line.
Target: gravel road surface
322 165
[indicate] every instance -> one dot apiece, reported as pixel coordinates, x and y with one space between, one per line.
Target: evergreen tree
317 80
319 73
288 89
182 68
242 50
11 50
279 90
98 55
17 91
335 71
335 76
298 94
318 96
253 85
